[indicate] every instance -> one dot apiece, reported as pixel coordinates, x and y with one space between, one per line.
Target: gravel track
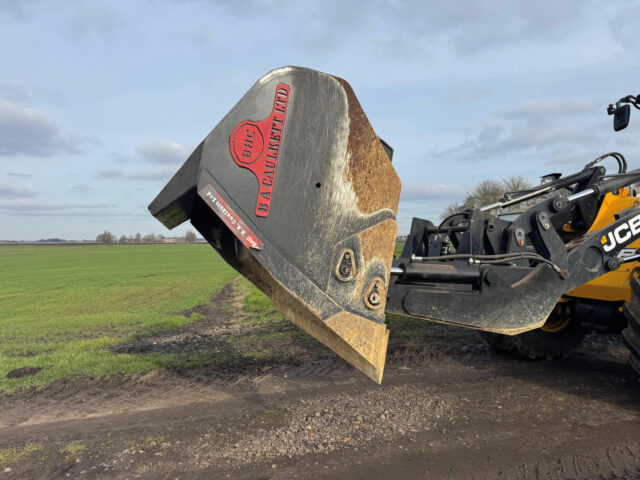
449 407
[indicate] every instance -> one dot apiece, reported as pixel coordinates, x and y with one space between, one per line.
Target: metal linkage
495 259
515 201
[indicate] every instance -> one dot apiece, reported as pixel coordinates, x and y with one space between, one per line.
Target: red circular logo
247 143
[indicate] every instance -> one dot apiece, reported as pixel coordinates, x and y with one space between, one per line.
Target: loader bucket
294 189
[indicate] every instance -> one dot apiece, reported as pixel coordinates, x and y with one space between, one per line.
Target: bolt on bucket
296 192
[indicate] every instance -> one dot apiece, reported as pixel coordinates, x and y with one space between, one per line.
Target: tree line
108 238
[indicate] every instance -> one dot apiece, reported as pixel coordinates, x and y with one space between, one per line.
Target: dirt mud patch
268 401
231 344
23 372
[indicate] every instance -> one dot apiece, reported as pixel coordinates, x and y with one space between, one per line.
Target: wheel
631 334
560 334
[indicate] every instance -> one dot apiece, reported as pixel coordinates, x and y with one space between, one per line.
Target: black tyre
631 334
559 335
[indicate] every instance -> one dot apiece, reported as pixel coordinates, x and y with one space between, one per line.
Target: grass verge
60 306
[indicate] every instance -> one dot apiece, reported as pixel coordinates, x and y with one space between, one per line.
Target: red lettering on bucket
256 146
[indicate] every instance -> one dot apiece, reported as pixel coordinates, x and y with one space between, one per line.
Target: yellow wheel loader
295 190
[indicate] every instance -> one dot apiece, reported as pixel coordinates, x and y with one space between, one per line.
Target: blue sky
100 102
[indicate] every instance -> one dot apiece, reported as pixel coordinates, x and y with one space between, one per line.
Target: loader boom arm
506 276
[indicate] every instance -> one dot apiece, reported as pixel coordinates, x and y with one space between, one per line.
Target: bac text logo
256 146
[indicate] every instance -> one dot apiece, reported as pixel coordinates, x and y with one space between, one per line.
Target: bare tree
487 192
123 239
106 237
451 209
190 237
138 238
151 238
515 184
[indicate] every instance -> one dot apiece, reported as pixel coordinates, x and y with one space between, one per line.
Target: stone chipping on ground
327 423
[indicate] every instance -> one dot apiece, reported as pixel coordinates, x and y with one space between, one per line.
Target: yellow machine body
614 286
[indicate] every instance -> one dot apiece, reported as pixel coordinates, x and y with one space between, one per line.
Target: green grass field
61 305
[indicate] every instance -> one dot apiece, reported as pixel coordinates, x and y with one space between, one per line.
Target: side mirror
621 117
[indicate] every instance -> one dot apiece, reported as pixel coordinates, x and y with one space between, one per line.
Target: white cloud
12 92
160 173
538 126
82 188
550 108
431 191
87 19
31 205
8 191
110 173
468 27
167 154
20 175
27 131
21 10
163 152
164 173
624 27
